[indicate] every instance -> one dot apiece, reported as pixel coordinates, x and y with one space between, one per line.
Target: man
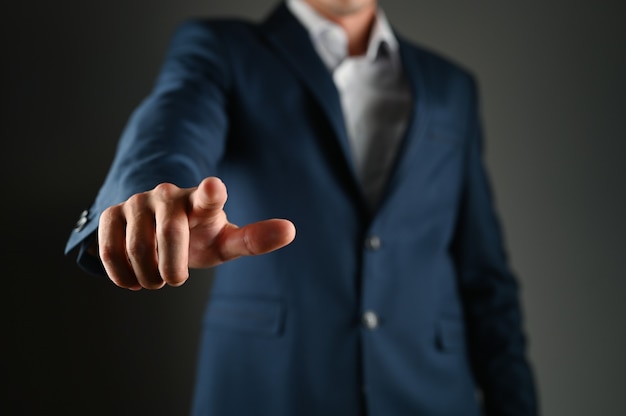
395 298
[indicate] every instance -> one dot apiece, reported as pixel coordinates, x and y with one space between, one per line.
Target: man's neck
357 24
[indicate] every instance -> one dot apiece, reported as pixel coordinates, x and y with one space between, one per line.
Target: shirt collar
330 40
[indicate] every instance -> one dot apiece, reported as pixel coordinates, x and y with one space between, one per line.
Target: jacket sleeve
490 294
176 135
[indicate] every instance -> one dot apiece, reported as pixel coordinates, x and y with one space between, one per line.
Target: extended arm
151 219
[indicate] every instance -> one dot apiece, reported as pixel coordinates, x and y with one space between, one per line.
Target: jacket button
82 221
370 320
373 243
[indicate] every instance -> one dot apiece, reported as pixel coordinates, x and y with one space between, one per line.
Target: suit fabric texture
283 333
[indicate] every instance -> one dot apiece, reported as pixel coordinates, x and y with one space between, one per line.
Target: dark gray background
552 79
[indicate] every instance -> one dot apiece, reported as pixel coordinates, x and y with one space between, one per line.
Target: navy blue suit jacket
283 333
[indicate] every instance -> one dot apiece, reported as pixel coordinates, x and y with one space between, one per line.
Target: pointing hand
154 237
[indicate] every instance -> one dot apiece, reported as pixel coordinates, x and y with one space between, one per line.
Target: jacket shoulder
439 68
218 29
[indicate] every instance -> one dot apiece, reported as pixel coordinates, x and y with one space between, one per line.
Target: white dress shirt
375 96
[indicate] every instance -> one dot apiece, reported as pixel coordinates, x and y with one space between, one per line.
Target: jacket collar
331 42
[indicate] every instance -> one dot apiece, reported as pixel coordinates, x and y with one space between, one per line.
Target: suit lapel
408 152
292 42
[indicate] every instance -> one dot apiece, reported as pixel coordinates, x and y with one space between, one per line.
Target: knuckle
249 243
137 201
109 215
166 191
170 229
139 249
108 252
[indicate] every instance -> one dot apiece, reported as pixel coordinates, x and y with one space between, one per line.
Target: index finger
207 202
